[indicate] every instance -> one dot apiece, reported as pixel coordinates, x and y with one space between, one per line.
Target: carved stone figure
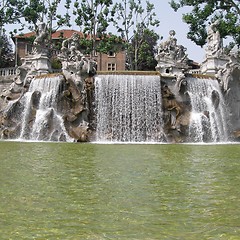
171 105
170 51
41 36
70 50
214 42
74 63
76 68
224 76
180 81
171 57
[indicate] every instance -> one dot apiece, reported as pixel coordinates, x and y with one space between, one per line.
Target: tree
130 16
10 12
6 56
46 11
205 11
93 18
142 49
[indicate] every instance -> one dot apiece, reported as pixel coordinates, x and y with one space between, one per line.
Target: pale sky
170 20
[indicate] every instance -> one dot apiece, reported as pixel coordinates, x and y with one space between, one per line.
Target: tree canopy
203 12
10 12
46 11
131 17
93 18
6 53
142 49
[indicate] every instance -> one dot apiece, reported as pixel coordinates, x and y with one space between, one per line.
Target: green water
92 191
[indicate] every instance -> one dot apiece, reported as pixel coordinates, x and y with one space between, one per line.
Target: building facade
113 61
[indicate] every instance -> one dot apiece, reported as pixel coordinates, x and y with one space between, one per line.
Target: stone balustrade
7 76
5 72
195 71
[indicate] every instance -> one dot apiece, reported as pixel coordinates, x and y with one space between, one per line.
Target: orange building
105 62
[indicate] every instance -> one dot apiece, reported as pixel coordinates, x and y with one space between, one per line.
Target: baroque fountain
173 104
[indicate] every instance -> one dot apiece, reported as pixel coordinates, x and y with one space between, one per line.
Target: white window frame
111 66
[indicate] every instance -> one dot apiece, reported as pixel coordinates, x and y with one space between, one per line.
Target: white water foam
128 108
46 113
208 122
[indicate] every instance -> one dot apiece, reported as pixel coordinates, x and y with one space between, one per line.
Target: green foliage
93 17
11 11
6 52
143 50
104 44
110 42
86 45
204 12
130 16
56 63
34 11
46 11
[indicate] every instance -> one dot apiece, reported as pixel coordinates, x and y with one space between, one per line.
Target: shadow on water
137 191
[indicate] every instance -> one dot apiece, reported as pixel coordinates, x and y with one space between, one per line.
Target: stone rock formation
176 115
76 69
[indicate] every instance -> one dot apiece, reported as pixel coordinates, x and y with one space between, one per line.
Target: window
28 48
111 54
111 67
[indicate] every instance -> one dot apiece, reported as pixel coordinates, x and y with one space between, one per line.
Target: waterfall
40 119
208 117
128 108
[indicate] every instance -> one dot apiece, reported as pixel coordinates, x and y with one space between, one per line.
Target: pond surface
93 191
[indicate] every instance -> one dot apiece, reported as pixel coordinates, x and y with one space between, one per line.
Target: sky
170 20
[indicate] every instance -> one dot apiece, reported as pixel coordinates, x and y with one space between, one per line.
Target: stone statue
74 64
71 48
41 34
171 57
214 42
170 51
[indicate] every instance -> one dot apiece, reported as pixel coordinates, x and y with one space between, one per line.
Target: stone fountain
173 104
45 106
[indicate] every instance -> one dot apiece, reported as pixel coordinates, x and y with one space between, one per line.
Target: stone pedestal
212 64
43 65
171 69
40 63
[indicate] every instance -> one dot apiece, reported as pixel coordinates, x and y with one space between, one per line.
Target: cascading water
128 108
208 117
46 124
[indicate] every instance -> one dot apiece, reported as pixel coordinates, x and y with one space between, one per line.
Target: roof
63 33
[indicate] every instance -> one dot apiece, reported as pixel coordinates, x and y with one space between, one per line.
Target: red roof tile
25 35
64 33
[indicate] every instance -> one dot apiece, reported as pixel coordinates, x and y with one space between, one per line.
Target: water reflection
89 191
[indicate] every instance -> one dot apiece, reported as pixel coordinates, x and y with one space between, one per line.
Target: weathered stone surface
176 115
80 133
